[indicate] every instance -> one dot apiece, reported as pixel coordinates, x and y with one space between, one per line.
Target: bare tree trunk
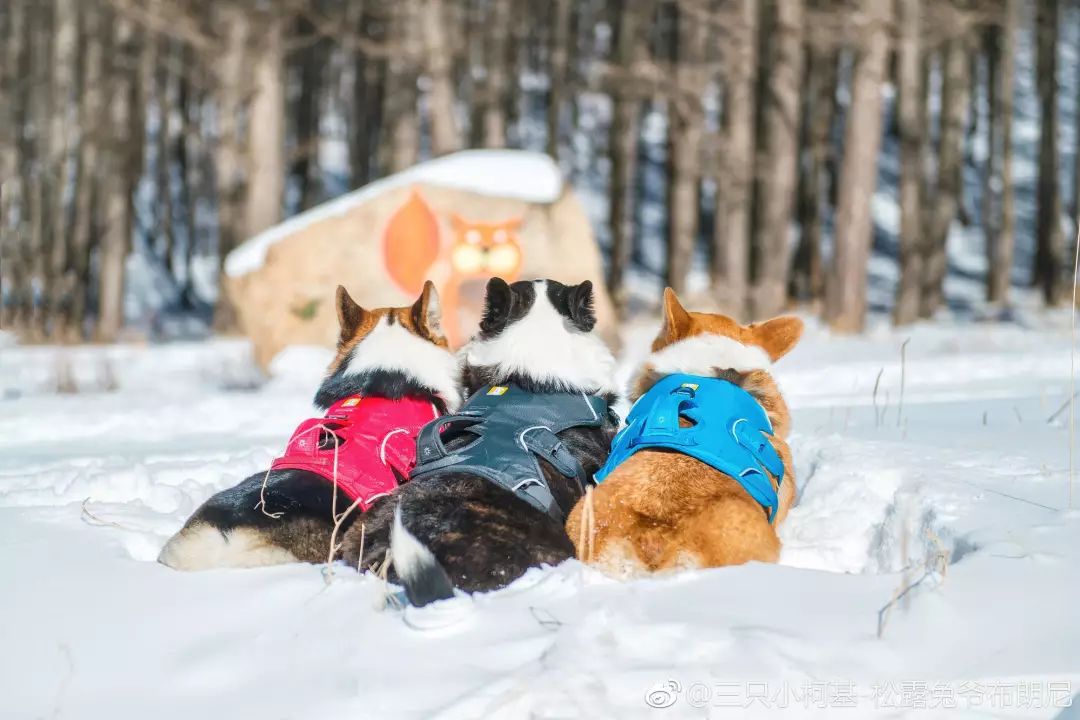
118 183
1076 150
189 157
476 53
439 60
266 132
305 166
954 106
367 97
807 272
37 181
777 157
516 60
846 294
13 206
1000 215
58 163
228 150
623 144
497 82
91 112
685 130
913 131
399 106
166 230
559 54
730 271
1075 214
1049 251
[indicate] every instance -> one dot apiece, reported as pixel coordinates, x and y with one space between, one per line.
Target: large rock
458 220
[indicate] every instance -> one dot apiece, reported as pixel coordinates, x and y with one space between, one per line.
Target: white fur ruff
394 348
204 547
698 355
545 347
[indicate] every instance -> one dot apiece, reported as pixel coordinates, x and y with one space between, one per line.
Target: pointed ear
458 223
513 225
349 314
498 302
778 336
427 311
580 302
676 319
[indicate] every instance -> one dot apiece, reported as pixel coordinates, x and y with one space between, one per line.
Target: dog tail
419 571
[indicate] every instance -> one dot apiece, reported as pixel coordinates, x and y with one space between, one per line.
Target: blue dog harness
730 432
511 430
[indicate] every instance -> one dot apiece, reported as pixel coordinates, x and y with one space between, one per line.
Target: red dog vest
375 436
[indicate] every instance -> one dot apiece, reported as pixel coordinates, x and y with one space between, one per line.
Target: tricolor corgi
493 483
392 374
702 474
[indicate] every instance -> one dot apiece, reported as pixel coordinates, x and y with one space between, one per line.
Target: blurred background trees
739 150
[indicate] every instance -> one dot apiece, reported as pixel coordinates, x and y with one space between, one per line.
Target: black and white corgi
393 373
493 483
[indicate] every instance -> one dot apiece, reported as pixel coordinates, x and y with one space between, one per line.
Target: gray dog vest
511 430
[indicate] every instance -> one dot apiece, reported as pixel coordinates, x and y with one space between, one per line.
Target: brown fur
356 322
661 510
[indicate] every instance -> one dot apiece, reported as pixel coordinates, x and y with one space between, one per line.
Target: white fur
544 346
698 355
203 547
410 556
393 348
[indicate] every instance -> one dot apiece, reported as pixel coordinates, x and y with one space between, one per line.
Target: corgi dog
392 374
488 497
660 505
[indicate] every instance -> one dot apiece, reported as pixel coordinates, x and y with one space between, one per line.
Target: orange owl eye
473 237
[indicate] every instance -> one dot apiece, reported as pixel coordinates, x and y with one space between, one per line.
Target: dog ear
580 302
349 314
458 223
427 311
498 303
778 336
676 319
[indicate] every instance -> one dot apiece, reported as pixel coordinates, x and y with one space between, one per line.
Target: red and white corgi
392 374
660 509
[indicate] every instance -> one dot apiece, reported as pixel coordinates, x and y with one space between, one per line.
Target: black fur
505 304
303 501
391 384
483 536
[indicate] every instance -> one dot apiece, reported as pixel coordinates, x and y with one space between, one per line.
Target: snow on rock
960 497
529 176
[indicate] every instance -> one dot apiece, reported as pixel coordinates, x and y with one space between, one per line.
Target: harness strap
429 444
513 430
538 494
541 441
758 446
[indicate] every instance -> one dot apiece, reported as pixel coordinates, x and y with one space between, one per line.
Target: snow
529 176
969 478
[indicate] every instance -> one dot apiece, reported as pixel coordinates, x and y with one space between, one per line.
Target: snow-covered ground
961 492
